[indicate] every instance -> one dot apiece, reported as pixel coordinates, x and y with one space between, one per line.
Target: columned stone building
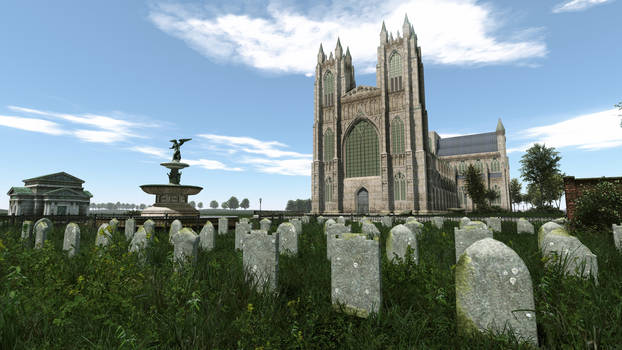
372 151
54 194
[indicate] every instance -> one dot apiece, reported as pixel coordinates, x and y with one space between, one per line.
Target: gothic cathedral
372 151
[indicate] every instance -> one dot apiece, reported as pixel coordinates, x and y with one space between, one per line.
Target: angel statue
175 146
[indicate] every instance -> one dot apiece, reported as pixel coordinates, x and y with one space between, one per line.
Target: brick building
574 188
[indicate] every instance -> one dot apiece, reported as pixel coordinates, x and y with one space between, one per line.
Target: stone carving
398 241
494 290
176 145
260 257
71 240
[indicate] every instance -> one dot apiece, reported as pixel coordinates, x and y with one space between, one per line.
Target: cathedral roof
476 143
361 88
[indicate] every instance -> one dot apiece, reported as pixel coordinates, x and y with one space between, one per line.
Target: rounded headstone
71 240
104 235
130 228
206 236
176 226
398 241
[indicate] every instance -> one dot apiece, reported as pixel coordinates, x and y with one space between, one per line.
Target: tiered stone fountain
172 198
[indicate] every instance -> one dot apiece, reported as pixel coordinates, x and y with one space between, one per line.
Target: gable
65 192
56 177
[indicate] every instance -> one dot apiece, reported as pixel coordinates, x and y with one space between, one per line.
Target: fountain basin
175 165
171 200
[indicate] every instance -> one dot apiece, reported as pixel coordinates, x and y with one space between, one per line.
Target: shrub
599 206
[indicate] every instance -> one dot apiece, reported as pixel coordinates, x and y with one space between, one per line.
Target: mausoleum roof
468 144
19 190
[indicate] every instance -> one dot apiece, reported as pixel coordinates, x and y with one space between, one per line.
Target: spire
331 56
348 57
338 49
406 27
320 55
383 34
500 128
391 37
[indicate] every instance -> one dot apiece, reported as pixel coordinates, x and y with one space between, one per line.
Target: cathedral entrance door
362 201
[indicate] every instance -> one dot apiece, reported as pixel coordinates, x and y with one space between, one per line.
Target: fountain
172 198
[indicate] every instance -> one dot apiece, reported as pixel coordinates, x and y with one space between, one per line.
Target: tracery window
362 151
399 187
329 145
395 71
495 165
329 89
397 135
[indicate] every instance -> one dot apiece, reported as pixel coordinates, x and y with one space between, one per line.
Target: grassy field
105 299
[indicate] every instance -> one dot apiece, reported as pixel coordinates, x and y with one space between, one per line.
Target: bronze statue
175 146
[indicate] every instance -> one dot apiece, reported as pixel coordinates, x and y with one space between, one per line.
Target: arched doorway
362 201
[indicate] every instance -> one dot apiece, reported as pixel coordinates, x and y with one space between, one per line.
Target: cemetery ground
105 298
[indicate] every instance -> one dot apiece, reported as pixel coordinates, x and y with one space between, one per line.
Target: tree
299 205
233 203
515 195
225 205
538 167
200 205
557 188
245 203
143 206
475 188
290 206
213 204
193 204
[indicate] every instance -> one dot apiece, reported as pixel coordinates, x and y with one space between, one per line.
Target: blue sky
97 89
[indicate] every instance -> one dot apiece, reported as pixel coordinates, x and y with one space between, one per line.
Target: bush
599 206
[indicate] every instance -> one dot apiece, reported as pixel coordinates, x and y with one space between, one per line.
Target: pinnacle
406 22
384 28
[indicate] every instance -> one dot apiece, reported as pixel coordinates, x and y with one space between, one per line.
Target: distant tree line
117 206
299 205
231 203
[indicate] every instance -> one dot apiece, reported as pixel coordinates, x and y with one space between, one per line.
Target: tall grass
107 298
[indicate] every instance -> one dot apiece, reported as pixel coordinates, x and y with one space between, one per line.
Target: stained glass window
397 136
362 151
399 187
329 145
395 71
329 88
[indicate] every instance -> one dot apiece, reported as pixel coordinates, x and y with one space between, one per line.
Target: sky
97 89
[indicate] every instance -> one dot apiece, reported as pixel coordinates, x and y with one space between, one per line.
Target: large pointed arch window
329 89
495 165
362 151
397 135
395 71
399 187
329 145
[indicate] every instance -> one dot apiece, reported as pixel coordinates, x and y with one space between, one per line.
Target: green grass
105 299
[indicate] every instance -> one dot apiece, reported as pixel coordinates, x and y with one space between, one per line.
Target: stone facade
403 169
54 194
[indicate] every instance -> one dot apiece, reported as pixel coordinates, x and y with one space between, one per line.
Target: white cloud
211 164
457 32
591 131
32 124
251 145
577 5
281 166
153 151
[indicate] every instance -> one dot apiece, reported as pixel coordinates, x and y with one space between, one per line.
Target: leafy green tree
193 204
600 205
200 205
290 205
515 195
213 204
476 189
143 206
556 187
245 203
233 203
538 167
225 205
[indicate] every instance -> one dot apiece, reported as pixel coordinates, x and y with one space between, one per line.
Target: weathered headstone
370 229
477 224
524 226
328 223
27 233
104 235
494 224
149 226
185 243
414 226
320 220
398 241
206 236
297 224
561 221
464 221
355 274
288 239
244 220
494 291
114 224
545 230
223 225
386 221
341 220
468 235
260 258
71 240
264 224
241 230
617 235
130 228
42 228
559 247
176 226
139 242
305 219
332 232
438 222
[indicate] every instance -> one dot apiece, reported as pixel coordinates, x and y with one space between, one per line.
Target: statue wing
173 141
181 141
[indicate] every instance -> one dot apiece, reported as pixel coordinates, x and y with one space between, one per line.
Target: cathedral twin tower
371 148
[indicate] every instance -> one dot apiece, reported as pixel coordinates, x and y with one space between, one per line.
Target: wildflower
249 308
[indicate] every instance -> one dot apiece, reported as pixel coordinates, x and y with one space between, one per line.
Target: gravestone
206 236
130 228
468 235
264 224
368 228
243 220
27 233
524 226
341 220
104 235
139 242
241 230
297 224
185 243
617 235
332 232
561 221
149 226
386 221
477 224
260 257
43 227
494 224
114 224
288 239
328 223
71 240
176 226
414 226
464 221
398 241
545 230
305 219
438 222
223 225
559 247
494 290
320 220
355 274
